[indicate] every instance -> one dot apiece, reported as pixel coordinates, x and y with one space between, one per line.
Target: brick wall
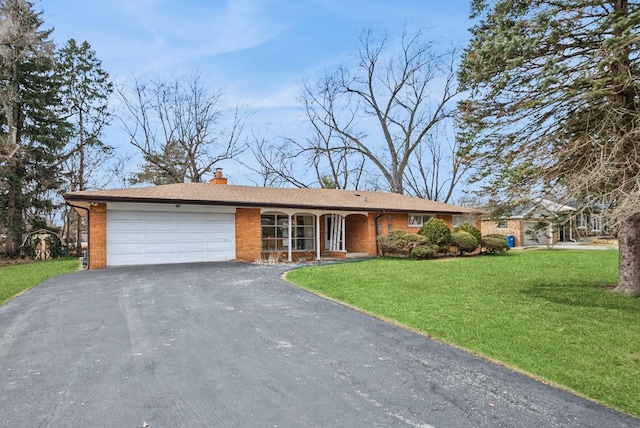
514 227
401 222
98 236
358 234
248 234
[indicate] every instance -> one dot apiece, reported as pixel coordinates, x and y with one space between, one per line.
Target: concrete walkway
574 246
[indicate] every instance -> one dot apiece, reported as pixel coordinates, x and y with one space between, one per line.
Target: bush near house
437 233
436 237
463 242
494 244
424 251
469 228
399 243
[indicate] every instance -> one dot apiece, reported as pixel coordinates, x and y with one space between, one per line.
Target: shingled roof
248 196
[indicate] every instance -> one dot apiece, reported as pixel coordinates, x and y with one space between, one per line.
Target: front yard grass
547 313
18 278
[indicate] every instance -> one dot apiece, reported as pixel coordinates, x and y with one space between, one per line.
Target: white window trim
424 218
581 221
506 225
596 219
461 219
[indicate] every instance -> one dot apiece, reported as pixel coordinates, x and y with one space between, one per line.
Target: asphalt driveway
231 344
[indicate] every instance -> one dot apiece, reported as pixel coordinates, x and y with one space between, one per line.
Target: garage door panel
221 219
215 235
191 236
119 260
129 248
139 237
159 236
217 246
191 247
151 216
130 216
530 235
192 217
160 247
159 227
189 226
125 226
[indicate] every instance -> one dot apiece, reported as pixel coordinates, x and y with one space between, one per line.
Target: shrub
493 245
469 228
464 242
391 243
399 242
424 251
437 233
495 235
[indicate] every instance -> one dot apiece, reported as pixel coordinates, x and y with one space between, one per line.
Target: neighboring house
523 220
590 222
193 222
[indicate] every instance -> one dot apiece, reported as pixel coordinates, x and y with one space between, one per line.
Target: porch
293 235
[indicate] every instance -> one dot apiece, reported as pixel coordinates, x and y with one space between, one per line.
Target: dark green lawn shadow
584 294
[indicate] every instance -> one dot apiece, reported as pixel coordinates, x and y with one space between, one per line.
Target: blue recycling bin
511 241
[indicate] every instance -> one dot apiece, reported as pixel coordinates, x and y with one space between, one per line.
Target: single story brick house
521 223
195 222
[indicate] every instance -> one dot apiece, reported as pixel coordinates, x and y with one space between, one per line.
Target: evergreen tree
32 132
555 105
85 92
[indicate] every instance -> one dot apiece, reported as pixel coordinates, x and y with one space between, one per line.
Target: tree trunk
629 244
15 214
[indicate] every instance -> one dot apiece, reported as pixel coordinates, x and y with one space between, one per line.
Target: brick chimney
218 179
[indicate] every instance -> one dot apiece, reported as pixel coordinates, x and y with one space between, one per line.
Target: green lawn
548 313
18 278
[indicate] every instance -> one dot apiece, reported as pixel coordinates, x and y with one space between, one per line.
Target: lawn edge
453 345
20 293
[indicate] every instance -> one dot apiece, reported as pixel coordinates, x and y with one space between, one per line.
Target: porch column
289 238
318 237
343 233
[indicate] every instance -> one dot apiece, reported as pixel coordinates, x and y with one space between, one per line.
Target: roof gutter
70 198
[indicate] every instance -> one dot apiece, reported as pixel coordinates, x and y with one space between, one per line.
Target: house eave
78 200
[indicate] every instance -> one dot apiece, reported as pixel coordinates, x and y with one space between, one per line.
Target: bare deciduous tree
181 129
435 169
386 106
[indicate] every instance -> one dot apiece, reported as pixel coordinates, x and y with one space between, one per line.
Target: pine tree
31 131
554 106
85 92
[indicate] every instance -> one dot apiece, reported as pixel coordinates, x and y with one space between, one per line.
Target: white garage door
139 237
530 235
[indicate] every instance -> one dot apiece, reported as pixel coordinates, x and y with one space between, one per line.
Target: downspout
376 226
571 230
88 233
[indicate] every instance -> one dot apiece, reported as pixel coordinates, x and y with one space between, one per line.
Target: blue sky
255 51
